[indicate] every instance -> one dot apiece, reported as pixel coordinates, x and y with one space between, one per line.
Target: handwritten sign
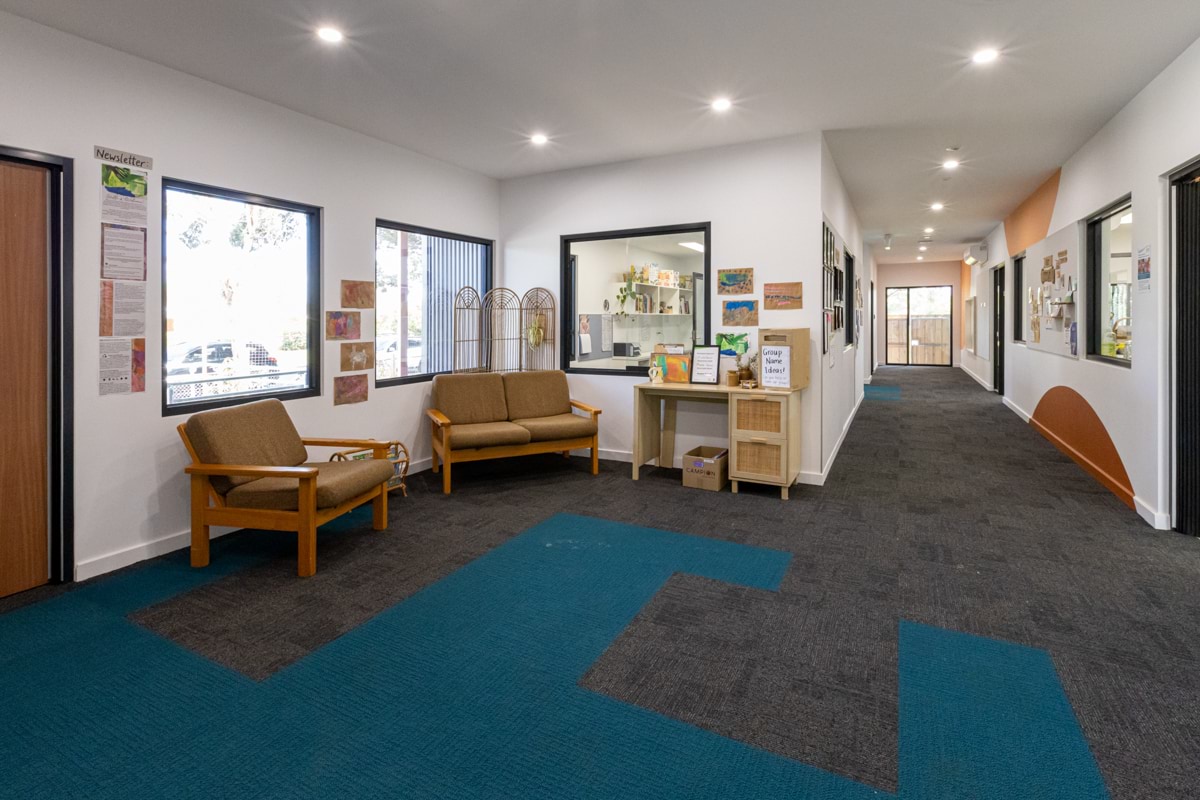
775 371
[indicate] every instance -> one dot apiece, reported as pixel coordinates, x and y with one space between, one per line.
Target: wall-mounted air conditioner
976 254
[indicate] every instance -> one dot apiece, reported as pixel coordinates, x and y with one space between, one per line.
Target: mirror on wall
626 292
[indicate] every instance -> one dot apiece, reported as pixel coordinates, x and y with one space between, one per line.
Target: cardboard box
797 340
706 468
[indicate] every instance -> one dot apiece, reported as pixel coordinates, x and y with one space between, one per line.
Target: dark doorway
1187 353
872 329
998 330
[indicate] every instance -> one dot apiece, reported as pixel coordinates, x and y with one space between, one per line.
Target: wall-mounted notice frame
1055 284
124 231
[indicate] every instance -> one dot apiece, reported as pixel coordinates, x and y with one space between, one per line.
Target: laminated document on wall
606 333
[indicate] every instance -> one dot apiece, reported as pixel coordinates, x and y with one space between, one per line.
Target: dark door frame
998 329
62 353
908 324
1184 358
873 332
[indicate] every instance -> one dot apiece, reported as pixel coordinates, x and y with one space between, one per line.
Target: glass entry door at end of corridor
919 322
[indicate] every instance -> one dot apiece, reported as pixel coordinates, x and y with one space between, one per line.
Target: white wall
131 499
1154 135
978 364
842 373
765 206
935 273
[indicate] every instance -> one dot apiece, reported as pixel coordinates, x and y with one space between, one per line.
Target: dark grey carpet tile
942 508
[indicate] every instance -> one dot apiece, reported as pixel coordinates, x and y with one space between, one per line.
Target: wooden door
24 393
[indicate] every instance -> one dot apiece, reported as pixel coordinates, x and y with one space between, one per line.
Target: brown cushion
337 482
469 398
559 426
536 394
487 434
259 434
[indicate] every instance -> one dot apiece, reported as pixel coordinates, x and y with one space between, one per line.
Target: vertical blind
451 264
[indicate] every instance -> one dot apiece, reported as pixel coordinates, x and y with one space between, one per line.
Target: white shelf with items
658 296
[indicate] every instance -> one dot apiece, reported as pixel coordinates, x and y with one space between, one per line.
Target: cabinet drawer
760 415
758 458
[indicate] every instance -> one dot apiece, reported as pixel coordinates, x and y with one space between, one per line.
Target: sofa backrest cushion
259 434
537 394
470 397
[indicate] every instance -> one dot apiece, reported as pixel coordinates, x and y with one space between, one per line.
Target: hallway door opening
919 325
1186 316
998 330
35 486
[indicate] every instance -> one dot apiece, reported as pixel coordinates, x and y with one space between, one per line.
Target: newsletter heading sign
121 157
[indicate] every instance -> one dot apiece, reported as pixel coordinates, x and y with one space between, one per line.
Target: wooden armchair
250 469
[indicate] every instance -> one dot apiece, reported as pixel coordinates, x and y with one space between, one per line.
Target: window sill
407 379
236 400
637 372
1116 362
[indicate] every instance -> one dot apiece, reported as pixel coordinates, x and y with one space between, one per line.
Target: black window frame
1018 331
566 290
908 325
489 283
1095 291
849 262
315 267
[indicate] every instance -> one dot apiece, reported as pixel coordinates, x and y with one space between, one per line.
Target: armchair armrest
585 408
438 418
243 471
375 446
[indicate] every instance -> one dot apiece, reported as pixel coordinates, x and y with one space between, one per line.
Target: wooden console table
764 429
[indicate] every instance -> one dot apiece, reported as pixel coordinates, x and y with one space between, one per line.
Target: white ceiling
609 80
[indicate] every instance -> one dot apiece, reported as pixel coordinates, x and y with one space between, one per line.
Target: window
1110 280
1019 298
417 274
241 297
919 324
626 292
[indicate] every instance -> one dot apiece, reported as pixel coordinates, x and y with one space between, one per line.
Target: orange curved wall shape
1071 424
1029 222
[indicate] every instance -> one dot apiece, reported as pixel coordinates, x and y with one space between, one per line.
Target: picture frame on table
706 364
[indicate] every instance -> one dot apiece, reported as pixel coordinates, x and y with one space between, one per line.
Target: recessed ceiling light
929 230
539 139
950 163
985 56
722 104
887 247
922 248
331 35
937 206
699 248
920 258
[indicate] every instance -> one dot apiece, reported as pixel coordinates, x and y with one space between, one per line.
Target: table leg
666 457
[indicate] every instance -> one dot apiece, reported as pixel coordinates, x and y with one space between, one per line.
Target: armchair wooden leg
306 535
596 454
379 505
446 477
199 529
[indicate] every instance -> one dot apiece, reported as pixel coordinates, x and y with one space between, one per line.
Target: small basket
397 454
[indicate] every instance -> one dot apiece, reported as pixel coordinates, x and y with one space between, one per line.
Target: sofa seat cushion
470 397
543 393
487 434
258 434
337 482
558 426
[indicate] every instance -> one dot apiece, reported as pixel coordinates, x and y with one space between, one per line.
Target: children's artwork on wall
675 367
343 325
735 281
349 389
783 296
1054 296
739 313
358 355
733 344
358 294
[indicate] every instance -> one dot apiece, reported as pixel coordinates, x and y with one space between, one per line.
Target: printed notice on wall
1143 269
606 333
122 308
775 370
116 366
122 252
123 196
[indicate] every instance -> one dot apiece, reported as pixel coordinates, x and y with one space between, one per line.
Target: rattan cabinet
764 438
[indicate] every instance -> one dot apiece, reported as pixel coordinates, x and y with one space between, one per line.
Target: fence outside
928 344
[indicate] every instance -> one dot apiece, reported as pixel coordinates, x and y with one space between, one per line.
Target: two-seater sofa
485 415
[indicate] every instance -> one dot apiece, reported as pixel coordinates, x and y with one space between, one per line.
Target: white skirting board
978 379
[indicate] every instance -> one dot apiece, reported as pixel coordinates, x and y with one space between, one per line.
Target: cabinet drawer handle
758 439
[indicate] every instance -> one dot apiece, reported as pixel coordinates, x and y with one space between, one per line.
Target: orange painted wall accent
1071 424
1029 223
